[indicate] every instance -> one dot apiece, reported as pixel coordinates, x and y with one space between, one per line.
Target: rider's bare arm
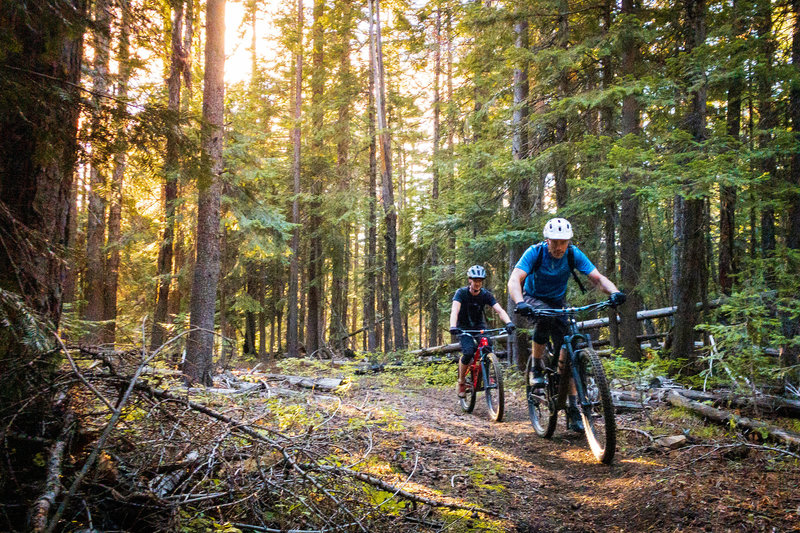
501 313
601 282
515 284
454 313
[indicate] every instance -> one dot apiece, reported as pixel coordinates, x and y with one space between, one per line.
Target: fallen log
725 418
773 404
454 347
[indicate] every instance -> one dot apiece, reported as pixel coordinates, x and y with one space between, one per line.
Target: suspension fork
574 362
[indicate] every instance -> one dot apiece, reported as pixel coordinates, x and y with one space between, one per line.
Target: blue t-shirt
550 281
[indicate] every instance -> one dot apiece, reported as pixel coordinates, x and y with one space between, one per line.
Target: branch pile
151 453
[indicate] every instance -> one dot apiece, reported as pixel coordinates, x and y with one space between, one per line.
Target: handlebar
482 331
567 311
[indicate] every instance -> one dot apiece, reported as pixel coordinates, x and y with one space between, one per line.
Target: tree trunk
793 236
292 338
629 234
200 344
389 210
520 202
314 326
560 169
435 279
340 259
610 226
727 193
767 121
115 193
253 288
790 353
38 151
370 258
688 289
171 169
96 222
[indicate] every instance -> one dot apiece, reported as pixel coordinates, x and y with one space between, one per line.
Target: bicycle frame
591 386
571 343
482 350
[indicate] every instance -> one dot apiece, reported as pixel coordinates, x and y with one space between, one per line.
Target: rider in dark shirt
467 312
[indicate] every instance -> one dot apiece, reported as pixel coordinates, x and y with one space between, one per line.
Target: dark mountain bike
584 366
484 374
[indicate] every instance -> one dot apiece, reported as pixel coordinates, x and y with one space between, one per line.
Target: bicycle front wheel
541 401
493 388
468 402
598 413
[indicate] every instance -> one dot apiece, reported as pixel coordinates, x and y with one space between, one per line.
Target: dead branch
725 418
371 480
41 508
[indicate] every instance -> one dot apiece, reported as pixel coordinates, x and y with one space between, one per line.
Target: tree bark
200 344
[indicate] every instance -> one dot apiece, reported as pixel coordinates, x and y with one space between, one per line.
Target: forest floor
543 485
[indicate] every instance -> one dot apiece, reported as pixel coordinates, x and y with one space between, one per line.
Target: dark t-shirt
471 315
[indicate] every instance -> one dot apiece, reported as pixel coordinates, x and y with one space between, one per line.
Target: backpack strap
539 254
570 261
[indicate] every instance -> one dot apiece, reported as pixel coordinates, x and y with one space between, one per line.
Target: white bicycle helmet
557 228
476 271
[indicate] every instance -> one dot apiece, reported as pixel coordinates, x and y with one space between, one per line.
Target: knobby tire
542 402
495 397
468 402
598 417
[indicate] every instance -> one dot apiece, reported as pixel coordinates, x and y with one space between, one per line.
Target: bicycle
484 374
594 396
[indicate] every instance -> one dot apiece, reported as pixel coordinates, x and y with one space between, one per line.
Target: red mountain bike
484 374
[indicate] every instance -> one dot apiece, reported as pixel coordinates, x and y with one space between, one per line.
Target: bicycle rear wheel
598 416
468 402
493 388
542 400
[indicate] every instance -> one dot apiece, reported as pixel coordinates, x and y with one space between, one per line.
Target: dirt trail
556 485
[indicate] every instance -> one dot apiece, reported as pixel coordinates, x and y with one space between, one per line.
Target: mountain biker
539 280
467 312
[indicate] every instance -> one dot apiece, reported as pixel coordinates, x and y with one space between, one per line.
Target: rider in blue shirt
539 280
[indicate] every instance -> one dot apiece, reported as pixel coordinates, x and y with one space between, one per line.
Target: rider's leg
467 352
537 352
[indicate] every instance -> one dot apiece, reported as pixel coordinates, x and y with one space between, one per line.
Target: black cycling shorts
553 328
468 347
